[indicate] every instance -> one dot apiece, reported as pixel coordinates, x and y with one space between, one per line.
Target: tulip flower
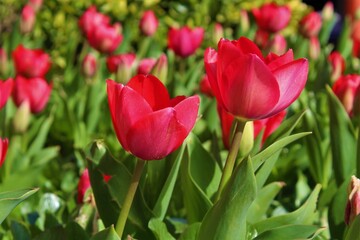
83 185
277 44
345 89
337 64
27 20
218 32
272 17
148 23
5 91
105 38
185 41
91 19
238 72
244 21
4 143
147 122
353 202
314 48
327 12
146 65
160 70
31 63
310 25
3 61
89 65
262 38
356 104
34 90
121 65
355 36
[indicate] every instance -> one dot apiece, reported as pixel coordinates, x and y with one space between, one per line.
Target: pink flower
146 65
277 44
185 41
337 64
5 91
31 63
89 65
124 60
314 48
4 143
27 20
353 202
105 38
345 89
238 73
310 25
272 17
91 19
149 23
147 122
34 90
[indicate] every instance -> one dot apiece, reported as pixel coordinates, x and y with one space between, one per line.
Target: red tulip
146 65
185 41
83 185
105 38
34 90
262 38
205 87
89 65
4 143
272 17
147 122
91 19
125 60
149 23
337 64
277 44
238 73
345 89
27 20
353 202
310 25
5 91
31 63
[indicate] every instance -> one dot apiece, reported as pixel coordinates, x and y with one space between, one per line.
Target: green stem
120 225
231 158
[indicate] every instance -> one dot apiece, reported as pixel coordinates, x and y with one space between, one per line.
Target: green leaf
75 232
106 234
19 231
191 232
302 216
353 231
262 201
337 210
227 218
159 229
41 136
9 200
163 201
290 232
342 139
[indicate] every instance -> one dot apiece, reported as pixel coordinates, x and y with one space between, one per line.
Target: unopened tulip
277 44
160 70
89 65
34 90
272 17
345 89
91 19
121 64
356 105
27 20
314 49
31 63
337 64
185 41
355 36
4 143
238 72
105 38
353 202
310 25
147 122
21 118
244 21
327 12
149 23
218 32
146 65
3 62
205 87
5 91
35 4
262 38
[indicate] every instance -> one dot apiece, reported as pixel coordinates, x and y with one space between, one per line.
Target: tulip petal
123 113
5 91
187 111
275 61
156 135
152 90
251 89
228 51
292 79
247 46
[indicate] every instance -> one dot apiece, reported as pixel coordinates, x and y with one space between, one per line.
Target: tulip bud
89 66
344 88
353 203
328 11
262 38
4 143
36 4
247 139
160 70
185 41
27 20
278 44
310 25
22 117
314 49
3 62
83 186
121 65
271 17
6 88
356 105
149 23
338 65
244 21
146 65
218 33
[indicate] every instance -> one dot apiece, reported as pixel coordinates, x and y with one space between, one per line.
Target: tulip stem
231 158
120 225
